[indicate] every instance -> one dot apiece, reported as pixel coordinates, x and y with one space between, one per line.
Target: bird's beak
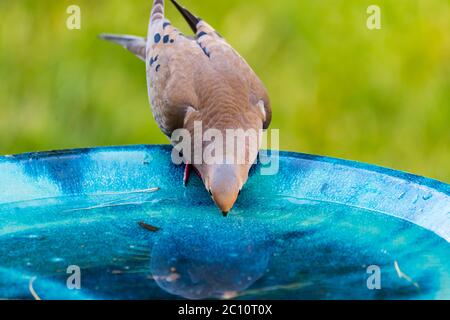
225 201
224 185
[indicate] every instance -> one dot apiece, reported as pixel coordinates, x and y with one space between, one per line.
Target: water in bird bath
285 249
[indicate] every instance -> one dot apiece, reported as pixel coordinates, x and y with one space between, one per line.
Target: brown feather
202 79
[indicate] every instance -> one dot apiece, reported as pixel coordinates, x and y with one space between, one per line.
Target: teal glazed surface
308 232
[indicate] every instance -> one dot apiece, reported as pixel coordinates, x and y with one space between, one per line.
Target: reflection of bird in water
202 79
210 261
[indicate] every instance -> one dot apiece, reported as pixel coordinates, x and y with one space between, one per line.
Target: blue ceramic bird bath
321 228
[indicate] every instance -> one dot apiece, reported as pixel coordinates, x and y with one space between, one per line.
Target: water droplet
324 188
402 195
57 259
147 159
428 197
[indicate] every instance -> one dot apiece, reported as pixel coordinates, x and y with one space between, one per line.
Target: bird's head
224 183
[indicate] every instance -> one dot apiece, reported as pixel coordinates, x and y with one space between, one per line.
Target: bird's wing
179 68
175 63
226 60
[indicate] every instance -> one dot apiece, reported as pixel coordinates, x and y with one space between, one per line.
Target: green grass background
337 88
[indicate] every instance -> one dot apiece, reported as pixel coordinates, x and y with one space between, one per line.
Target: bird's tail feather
134 44
188 16
157 11
123 40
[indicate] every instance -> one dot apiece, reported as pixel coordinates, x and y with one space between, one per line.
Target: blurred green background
337 88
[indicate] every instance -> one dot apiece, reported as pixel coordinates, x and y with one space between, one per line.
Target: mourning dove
202 79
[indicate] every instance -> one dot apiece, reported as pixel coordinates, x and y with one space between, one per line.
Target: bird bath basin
313 231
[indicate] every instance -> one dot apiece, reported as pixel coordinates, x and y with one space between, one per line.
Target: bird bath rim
40 175
445 187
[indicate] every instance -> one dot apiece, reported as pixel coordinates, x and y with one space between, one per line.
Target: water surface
268 248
